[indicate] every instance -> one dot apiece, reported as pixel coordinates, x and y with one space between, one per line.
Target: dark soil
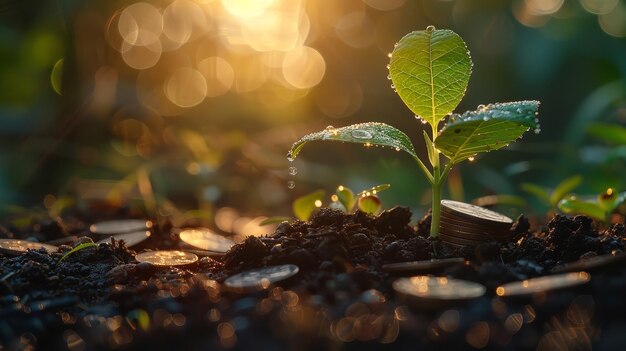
100 298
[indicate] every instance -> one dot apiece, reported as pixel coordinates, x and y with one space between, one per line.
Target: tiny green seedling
76 249
600 207
552 197
430 70
343 199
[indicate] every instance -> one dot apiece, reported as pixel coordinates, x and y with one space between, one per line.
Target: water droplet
424 121
291 184
536 120
395 45
482 107
368 144
393 86
329 128
389 76
293 171
471 159
397 149
388 66
486 118
389 55
537 131
519 110
290 157
430 28
361 134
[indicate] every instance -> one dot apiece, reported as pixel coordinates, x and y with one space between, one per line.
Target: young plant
600 207
343 199
551 197
430 70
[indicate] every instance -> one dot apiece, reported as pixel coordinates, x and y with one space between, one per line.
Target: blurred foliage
599 207
116 137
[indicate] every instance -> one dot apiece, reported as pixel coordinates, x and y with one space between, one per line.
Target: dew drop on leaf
430 28
290 157
293 171
393 86
389 76
361 134
471 159
389 55
291 184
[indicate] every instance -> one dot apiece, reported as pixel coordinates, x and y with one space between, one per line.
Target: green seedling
430 70
76 249
551 197
343 199
600 207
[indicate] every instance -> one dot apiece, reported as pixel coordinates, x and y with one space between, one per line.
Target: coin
130 239
421 266
16 247
591 263
205 239
472 234
120 226
429 289
473 212
260 278
167 258
460 221
459 241
543 284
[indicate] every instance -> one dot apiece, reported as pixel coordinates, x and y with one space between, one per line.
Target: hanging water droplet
486 118
424 121
290 157
293 171
393 86
397 149
389 76
536 120
430 28
482 107
389 55
395 45
537 131
329 128
388 66
361 134
291 184
471 158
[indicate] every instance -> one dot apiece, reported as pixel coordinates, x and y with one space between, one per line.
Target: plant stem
436 185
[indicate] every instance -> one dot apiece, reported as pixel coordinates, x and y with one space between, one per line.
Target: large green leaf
611 133
489 128
430 70
368 134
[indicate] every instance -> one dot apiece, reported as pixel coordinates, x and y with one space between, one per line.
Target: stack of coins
464 224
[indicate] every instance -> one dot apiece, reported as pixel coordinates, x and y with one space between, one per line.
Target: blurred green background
185 109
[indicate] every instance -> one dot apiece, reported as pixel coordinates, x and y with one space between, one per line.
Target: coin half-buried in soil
130 239
260 278
17 247
425 291
591 263
474 213
167 258
475 223
543 284
471 233
205 239
423 266
120 226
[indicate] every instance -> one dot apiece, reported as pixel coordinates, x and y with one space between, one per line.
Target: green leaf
564 187
489 128
346 197
611 133
368 134
430 70
370 204
374 190
537 191
77 248
572 206
304 206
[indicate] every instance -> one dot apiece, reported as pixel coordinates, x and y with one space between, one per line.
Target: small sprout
370 204
552 197
345 197
600 207
430 71
76 249
304 206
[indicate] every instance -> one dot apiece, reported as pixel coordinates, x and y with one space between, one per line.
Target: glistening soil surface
100 298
